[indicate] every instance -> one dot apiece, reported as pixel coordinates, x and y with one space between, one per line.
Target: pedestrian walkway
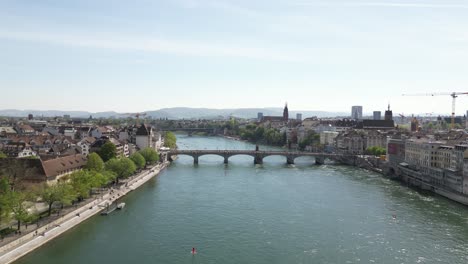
82 214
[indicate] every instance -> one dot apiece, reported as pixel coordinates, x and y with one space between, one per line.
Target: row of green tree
260 134
170 140
376 151
14 203
312 139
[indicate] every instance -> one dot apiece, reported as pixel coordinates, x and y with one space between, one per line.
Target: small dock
109 209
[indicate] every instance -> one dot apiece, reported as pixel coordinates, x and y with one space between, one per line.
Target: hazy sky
127 56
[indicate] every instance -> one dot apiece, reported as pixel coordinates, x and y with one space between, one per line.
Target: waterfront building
432 163
356 112
144 136
376 138
55 169
396 151
351 142
36 171
328 137
377 115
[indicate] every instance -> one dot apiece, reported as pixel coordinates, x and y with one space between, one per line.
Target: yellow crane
454 95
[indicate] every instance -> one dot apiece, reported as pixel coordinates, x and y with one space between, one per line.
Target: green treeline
376 151
170 140
15 200
262 135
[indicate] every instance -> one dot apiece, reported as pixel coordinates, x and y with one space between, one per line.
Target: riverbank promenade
24 245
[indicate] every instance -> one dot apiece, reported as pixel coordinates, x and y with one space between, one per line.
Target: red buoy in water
194 251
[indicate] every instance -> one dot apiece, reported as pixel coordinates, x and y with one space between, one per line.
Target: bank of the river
33 240
272 213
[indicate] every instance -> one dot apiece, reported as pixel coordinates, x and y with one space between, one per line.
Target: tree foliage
108 151
4 208
2 155
59 193
260 134
312 139
123 167
376 151
150 155
83 181
138 159
170 140
16 204
94 163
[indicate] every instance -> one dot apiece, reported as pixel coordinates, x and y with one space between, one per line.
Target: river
270 213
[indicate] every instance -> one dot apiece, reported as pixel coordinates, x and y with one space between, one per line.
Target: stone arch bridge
258 156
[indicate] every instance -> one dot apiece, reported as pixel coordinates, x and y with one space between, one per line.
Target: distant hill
174 113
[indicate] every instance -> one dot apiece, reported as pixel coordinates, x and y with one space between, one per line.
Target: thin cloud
383 4
155 45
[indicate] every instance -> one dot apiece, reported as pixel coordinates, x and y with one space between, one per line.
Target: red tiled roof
55 167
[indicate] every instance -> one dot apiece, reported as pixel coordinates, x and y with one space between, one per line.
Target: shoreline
20 247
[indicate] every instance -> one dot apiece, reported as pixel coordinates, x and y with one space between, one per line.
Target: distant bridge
190 131
258 156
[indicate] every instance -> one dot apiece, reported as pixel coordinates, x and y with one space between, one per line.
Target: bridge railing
252 152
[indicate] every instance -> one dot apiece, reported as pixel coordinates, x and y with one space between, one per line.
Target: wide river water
270 213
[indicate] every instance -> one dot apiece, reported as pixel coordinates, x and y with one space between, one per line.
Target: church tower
286 113
388 113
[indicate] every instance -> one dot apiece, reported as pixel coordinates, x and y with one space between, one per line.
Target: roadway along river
273 213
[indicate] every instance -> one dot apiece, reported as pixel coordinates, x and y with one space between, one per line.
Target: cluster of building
437 161
49 150
352 135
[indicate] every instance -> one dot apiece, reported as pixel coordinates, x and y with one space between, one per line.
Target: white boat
120 205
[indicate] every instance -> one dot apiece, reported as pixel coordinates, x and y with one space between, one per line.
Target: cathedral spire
286 112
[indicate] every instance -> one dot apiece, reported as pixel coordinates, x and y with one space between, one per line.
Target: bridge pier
195 160
258 159
290 160
226 159
319 160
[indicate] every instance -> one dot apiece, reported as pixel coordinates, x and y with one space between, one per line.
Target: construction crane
137 115
454 95
402 116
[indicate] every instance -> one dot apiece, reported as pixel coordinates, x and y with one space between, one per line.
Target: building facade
356 112
377 115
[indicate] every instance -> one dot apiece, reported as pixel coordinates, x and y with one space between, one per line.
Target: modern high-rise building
356 112
299 117
259 116
377 115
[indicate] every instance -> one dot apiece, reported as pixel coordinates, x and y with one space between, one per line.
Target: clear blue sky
128 56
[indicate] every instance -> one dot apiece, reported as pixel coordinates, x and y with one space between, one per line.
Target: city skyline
115 56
